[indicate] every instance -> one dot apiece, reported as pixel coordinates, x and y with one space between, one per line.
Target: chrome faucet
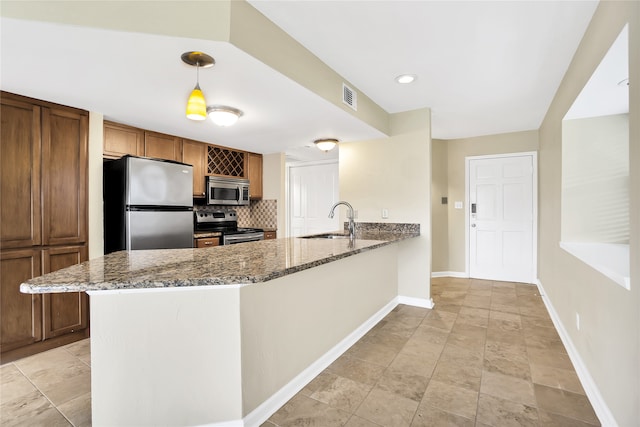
352 224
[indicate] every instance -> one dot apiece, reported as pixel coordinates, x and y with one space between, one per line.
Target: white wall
395 173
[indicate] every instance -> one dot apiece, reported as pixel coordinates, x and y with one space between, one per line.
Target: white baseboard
593 393
459 274
416 302
282 396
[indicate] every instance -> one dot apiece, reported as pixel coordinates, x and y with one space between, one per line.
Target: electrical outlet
385 213
578 321
355 214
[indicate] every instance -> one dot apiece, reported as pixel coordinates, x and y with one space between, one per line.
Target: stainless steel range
226 222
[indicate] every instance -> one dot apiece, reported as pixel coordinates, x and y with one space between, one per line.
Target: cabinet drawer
269 235
207 242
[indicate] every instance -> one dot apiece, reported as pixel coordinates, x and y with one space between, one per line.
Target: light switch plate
458 205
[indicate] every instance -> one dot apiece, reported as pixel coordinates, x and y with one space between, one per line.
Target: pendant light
196 105
326 144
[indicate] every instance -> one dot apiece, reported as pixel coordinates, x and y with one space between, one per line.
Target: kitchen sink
326 236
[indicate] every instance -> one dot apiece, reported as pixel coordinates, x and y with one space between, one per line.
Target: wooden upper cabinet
64 176
160 146
255 175
64 312
19 174
120 140
224 161
195 153
21 313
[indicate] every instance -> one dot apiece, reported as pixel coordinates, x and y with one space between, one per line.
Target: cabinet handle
208 243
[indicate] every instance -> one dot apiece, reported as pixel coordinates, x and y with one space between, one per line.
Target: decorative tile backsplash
259 214
264 213
244 215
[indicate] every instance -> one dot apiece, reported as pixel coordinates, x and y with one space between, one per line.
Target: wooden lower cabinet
206 242
21 313
31 322
65 312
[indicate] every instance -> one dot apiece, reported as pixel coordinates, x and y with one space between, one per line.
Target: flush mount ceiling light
223 115
326 144
406 78
196 105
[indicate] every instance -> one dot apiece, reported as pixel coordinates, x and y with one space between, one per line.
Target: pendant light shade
196 105
326 144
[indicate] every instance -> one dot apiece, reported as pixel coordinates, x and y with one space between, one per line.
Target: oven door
232 239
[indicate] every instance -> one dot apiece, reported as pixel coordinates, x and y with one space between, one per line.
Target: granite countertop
205 234
245 263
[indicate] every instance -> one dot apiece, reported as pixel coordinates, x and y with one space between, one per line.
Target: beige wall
208 20
273 185
439 212
457 150
395 173
96 212
608 340
290 323
595 179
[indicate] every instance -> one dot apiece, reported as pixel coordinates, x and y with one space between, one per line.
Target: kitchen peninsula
225 335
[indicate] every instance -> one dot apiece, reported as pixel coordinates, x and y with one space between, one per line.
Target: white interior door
313 189
501 217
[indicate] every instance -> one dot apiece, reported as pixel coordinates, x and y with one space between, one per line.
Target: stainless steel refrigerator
148 204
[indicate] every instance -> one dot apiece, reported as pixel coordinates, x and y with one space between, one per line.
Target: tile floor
48 389
486 355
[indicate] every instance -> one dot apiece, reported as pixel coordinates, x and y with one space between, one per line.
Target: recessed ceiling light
406 78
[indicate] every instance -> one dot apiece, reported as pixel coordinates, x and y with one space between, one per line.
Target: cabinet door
255 176
194 153
159 146
20 314
64 312
19 174
120 140
64 177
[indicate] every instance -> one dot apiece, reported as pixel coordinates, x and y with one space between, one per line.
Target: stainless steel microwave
227 191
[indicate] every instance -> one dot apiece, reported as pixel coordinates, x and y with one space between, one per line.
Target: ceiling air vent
349 97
